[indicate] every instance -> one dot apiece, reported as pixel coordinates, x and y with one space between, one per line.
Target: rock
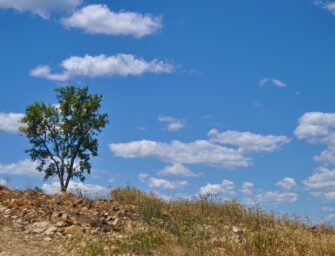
61 224
73 230
39 227
50 231
65 216
47 239
55 215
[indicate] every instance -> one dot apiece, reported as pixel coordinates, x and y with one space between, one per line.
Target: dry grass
204 227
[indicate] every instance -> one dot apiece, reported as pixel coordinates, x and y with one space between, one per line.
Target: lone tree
63 136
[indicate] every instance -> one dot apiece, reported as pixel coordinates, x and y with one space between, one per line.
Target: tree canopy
64 136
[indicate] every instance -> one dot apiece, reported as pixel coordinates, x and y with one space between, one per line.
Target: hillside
134 223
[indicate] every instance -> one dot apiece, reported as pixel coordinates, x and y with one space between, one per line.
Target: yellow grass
204 227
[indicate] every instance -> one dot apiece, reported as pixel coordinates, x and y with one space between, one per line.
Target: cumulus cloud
272 81
319 128
247 141
235 154
9 122
165 184
287 183
322 183
197 152
90 190
161 183
177 170
40 7
226 189
173 124
103 66
24 167
247 188
99 19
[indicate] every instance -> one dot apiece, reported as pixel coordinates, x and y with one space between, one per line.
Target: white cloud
173 124
25 167
287 183
203 151
99 19
76 188
272 81
327 5
272 197
197 152
40 7
3 183
165 184
247 188
9 122
177 170
103 66
161 183
322 183
319 128
143 176
226 190
247 141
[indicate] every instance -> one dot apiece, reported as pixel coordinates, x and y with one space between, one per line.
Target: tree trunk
63 188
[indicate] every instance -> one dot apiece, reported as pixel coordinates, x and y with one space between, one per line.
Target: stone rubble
63 215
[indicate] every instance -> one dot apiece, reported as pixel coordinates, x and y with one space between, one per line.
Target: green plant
63 136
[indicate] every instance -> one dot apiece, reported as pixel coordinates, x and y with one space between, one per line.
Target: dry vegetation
203 227
135 223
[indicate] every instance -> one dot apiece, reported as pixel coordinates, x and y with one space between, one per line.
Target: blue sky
227 97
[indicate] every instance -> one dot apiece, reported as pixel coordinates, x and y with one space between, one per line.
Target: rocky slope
32 223
136 223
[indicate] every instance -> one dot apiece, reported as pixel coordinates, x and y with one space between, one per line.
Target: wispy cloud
177 170
327 5
272 81
24 168
271 197
99 19
40 7
103 66
173 124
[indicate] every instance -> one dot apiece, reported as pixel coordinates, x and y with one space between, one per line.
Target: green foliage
65 133
40 190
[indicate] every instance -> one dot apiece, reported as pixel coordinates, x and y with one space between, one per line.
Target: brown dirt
32 223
